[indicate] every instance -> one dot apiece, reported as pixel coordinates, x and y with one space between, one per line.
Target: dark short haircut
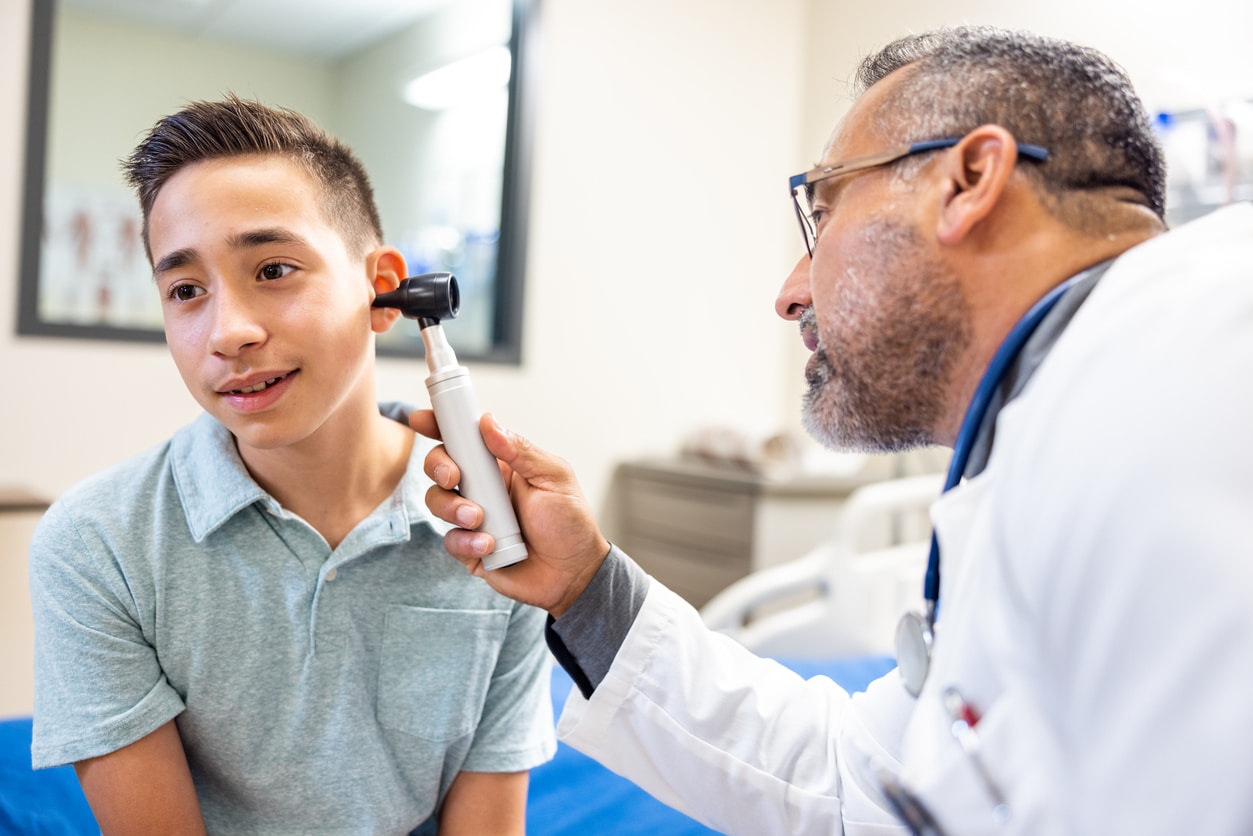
234 127
1071 99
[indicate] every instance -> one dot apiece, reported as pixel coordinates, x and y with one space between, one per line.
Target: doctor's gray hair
1070 99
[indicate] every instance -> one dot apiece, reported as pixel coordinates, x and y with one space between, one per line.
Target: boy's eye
275 270
185 292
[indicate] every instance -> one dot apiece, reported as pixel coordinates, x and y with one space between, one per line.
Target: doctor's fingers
422 421
450 506
441 469
438 465
470 547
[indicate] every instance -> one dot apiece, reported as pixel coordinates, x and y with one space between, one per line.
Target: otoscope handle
457 412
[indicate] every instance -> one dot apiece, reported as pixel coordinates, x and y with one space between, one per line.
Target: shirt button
331 575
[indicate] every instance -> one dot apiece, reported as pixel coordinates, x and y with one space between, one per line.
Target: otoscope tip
430 296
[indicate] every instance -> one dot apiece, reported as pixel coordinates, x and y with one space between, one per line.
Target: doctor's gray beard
880 384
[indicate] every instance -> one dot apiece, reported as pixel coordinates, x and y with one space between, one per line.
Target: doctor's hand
564 544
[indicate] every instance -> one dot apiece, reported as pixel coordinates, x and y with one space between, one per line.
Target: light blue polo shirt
316 690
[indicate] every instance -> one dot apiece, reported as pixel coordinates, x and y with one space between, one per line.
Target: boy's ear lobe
386 268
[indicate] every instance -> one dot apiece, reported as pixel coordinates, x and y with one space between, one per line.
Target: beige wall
17 651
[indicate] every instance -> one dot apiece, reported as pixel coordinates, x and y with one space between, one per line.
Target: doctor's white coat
1096 607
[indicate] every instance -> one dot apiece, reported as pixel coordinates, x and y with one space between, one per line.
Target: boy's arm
485 802
145 787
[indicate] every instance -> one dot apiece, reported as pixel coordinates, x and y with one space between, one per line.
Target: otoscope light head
427 298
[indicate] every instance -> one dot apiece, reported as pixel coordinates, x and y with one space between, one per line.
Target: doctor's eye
274 270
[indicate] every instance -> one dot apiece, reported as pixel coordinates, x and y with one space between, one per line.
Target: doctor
987 268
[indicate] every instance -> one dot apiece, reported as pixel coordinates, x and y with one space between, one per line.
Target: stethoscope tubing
975 413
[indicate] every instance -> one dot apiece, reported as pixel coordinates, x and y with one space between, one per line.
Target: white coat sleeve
738 742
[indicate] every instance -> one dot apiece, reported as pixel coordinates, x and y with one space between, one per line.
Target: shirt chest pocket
435 668
1004 776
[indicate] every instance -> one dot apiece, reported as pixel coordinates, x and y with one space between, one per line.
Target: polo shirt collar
214 485
212 481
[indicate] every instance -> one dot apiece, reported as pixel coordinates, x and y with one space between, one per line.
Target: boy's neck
336 478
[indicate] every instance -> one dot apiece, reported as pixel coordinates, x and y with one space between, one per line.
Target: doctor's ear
976 171
385 267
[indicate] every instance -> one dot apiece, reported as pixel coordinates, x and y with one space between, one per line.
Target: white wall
1177 53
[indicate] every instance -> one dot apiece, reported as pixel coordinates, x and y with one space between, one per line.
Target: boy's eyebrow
260 237
173 261
238 241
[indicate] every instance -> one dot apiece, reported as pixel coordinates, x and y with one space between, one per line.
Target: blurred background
657 232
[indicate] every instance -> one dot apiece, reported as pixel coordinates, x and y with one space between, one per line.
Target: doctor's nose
236 326
794 296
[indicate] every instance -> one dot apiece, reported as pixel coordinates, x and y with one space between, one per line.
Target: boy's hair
235 127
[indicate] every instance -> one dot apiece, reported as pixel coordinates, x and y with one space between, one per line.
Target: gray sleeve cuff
587 637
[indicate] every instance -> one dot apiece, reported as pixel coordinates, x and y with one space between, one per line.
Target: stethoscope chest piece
914 635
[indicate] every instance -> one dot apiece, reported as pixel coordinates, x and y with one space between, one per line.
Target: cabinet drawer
703 519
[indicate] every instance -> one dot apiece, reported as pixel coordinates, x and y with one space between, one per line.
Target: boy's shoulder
117 484
107 507
135 484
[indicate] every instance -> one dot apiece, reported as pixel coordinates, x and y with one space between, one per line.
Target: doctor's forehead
873 122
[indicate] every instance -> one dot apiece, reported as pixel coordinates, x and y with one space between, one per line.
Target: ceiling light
461 80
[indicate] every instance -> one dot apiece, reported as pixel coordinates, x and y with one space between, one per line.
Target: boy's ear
977 172
386 268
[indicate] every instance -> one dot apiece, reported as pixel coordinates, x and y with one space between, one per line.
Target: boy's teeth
248 390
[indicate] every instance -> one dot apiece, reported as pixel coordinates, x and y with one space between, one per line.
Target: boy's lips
256 394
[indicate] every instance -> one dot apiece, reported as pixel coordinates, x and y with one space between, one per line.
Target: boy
255 627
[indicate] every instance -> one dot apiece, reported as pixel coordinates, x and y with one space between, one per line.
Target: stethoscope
916 631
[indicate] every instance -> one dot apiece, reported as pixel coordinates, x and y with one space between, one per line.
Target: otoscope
428 298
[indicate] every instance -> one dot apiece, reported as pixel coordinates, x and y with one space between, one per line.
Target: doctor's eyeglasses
802 185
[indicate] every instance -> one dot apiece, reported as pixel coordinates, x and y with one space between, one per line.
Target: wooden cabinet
697 527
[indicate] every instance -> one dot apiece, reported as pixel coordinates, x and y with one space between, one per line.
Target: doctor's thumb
539 468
